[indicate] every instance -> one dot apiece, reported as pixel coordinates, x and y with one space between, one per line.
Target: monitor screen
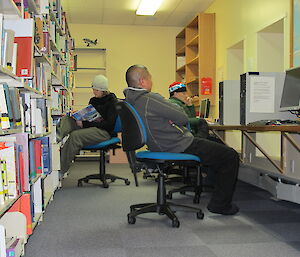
290 99
204 108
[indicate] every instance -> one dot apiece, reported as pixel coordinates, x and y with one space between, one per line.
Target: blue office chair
133 138
103 147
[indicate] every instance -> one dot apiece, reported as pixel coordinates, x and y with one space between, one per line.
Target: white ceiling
122 12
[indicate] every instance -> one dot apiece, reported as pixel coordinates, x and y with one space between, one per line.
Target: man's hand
188 101
79 123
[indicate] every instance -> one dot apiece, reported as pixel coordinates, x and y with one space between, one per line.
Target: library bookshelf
36 81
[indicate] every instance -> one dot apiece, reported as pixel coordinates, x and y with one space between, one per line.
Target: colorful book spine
8 104
4 179
3 192
8 154
4 111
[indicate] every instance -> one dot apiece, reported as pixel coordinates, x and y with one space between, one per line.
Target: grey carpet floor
91 221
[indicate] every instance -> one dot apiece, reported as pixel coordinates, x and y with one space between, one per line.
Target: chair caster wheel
131 219
86 180
196 199
105 185
113 180
200 215
79 183
175 223
169 196
127 182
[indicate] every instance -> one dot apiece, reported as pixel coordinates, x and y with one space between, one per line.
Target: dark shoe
232 209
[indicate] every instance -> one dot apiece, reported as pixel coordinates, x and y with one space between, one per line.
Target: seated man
179 96
198 126
166 126
84 133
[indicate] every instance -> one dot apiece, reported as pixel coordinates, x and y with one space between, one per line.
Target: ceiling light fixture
148 7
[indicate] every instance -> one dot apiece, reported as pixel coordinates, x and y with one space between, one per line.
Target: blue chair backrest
133 130
118 125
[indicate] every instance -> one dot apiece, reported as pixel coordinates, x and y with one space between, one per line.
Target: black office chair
103 148
133 138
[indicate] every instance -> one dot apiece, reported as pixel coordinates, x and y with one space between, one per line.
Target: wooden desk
284 174
285 131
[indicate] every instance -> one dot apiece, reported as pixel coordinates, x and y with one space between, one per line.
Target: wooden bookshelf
196 43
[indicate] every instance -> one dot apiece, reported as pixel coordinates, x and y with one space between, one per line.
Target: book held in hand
89 113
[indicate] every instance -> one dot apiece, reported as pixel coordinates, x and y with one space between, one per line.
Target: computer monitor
290 98
204 108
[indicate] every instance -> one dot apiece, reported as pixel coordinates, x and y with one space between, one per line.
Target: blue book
46 154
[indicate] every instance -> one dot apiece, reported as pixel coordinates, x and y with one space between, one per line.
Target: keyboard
274 122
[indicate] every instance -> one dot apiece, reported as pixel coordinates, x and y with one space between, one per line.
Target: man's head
138 76
100 86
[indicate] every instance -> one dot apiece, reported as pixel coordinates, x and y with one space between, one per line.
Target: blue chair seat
98 146
104 147
167 156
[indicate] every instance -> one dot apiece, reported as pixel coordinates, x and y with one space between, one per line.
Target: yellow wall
238 20
127 45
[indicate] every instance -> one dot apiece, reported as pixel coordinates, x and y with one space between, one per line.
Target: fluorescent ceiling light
148 7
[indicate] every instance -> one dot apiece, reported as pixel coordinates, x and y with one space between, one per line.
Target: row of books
60 101
16 47
35 115
21 162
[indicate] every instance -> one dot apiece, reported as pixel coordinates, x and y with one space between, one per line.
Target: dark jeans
224 161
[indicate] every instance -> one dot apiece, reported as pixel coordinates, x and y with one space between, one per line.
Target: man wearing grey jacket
166 126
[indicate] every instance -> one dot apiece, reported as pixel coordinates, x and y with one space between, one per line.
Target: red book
23 205
24 56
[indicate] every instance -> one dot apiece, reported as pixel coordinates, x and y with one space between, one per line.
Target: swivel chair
103 147
133 138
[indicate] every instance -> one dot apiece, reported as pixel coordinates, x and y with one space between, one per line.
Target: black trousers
222 160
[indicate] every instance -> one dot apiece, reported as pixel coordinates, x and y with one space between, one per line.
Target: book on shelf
1 35
26 114
8 45
22 140
46 154
15 105
39 37
8 104
8 154
3 182
88 113
4 110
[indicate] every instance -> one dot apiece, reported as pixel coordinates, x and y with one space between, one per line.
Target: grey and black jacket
166 123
